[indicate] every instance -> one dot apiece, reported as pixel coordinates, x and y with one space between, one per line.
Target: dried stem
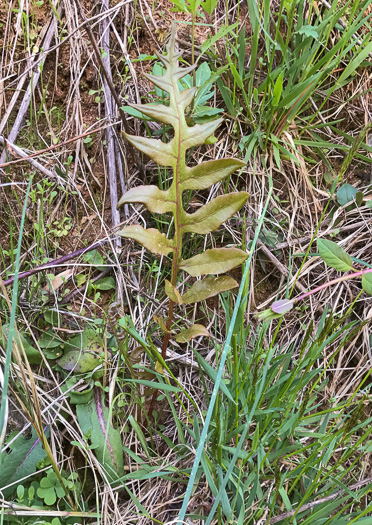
312 504
30 89
330 283
56 262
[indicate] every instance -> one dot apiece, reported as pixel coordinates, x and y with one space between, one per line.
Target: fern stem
167 334
193 50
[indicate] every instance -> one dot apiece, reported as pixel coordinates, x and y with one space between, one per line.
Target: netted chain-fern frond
173 155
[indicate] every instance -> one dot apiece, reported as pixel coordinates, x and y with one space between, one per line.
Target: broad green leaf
135 113
158 112
203 74
94 258
208 287
155 200
180 6
89 340
334 256
193 5
82 352
208 173
21 462
107 283
153 240
79 362
198 134
347 193
196 330
367 283
214 261
33 354
172 292
94 420
210 216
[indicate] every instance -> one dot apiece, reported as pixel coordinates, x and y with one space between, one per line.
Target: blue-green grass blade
226 350
11 333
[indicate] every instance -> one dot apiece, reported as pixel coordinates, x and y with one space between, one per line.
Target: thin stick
55 146
290 513
34 163
56 262
32 85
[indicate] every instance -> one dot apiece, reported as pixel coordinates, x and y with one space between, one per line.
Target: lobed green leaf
208 173
155 200
212 215
153 240
158 151
214 261
208 287
198 134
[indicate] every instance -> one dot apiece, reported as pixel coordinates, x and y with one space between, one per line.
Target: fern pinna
207 219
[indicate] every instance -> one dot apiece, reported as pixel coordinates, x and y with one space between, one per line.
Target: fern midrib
177 226
178 235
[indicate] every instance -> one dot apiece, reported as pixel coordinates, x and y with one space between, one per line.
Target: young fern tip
208 218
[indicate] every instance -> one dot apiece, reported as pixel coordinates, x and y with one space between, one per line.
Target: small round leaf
346 194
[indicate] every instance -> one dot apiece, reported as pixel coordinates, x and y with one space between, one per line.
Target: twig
109 84
109 111
347 227
308 506
21 81
278 264
55 146
56 262
34 163
32 85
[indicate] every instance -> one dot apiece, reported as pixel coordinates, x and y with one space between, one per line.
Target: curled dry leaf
172 292
57 281
196 330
